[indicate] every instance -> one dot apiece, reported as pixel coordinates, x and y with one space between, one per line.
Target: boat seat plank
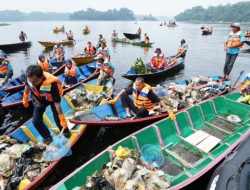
208 144
197 137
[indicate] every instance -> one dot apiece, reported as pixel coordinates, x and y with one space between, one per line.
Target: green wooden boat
195 142
125 41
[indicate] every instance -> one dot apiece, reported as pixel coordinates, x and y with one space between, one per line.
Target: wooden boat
15 46
132 75
83 60
56 30
47 44
124 41
236 164
96 116
194 143
86 31
132 36
172 25
85 73
207 32
27 132
17 84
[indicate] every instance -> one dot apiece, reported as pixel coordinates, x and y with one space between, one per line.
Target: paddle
232 87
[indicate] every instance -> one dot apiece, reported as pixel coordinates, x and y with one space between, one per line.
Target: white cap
235 24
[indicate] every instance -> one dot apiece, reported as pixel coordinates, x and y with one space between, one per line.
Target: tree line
89 14
239 12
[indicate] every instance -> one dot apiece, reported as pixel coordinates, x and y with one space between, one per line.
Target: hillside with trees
239 12
114 14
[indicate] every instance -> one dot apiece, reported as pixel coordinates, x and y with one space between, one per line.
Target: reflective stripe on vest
44 93
44 65
71 72
234 38
141 99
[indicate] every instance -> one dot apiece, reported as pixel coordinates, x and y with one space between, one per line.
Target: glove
171 115
113 101
26 100
63 121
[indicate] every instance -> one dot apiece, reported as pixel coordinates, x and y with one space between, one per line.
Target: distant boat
132 36
15 46
206 30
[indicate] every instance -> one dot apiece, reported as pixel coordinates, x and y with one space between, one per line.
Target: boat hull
15 46
132 36
52 44
165 73
83 60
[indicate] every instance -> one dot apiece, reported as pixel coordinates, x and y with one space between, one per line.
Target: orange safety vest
246 83
3 67
234 38
90 50
104 52
44 65
59 51
141 99
44 93
106 67
158 61
70 72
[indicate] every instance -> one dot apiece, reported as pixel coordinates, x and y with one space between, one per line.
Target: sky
154 7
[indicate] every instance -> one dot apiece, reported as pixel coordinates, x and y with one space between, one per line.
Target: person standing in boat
70 35
106 70
182 50
146 39
22 36
138 31
101 40
71 72
114 35
58 53
44 63
104 51
44 90
158 61
144 100
245 89
6 70
90 49
232 46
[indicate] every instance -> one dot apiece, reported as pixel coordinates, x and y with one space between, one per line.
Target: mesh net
58 148
152 155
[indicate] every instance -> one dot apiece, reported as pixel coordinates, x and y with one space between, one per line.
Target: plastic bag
152 155
58 148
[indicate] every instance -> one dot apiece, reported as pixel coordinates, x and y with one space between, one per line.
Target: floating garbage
20 163
127 171
234 118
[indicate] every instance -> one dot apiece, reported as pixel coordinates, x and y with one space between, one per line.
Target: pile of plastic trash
84 99
130 170
20 163
190 92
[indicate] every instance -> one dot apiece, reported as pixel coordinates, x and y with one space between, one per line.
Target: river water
205 56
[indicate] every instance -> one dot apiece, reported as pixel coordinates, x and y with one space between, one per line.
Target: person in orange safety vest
158 61
44 89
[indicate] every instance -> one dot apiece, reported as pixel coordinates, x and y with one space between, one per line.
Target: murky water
205 57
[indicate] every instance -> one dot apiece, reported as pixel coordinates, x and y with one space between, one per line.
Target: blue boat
86 73
97 116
